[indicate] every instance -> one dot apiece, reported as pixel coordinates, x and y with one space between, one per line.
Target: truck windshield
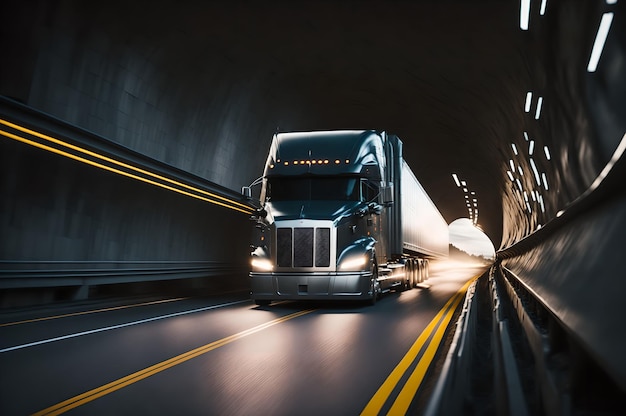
313 188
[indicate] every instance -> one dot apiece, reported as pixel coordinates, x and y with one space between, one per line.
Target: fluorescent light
545 181
543 207
456 179
514 148
611 1
538 111
463 183
508 172
598 44
528 206
519 185
519 169
529 99
465 190
512 165
525 196
531 147
524 14
525 136
534 167
542 11
473 193
547 152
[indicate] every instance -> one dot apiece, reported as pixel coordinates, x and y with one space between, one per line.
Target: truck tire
375 287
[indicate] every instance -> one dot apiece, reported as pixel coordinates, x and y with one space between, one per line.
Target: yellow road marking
238 206
407 393
113 308
157 368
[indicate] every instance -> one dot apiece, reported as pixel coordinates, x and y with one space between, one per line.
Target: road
224 355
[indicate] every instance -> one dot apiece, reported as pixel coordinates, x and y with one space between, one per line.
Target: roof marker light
547 152
347 161
529 98
295 162
545 181
598 44
286 163
538 111
456 180
524 14
337 162
514 148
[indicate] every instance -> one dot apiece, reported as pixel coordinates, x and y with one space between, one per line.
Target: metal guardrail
17 274
455 374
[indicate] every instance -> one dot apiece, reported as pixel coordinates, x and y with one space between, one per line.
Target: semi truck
341 216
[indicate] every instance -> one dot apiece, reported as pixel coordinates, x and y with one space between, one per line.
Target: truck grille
303 247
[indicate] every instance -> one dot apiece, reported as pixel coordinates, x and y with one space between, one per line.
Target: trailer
341 216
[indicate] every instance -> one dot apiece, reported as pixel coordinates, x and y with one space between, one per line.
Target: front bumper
311 285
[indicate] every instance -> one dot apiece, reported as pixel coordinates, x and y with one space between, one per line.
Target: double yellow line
104 162
403 400
91 395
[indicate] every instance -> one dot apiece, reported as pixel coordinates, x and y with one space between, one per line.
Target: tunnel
519 106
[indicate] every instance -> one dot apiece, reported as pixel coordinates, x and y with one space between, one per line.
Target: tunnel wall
571 256
65 223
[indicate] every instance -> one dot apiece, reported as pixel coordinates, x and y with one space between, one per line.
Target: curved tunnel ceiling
204 86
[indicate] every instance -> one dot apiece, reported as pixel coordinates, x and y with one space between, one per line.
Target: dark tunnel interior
202 86
510 108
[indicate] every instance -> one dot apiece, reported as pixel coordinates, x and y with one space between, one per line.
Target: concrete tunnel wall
203 88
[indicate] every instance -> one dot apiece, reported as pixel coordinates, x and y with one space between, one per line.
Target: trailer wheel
375 286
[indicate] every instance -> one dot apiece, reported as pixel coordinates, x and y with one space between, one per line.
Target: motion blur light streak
524 14
456 180
529 97
547 152
237 206
538 111
598 44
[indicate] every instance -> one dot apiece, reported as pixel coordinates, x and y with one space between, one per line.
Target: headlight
353 263
261 264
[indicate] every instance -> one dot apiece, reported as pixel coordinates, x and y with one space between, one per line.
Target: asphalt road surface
226 356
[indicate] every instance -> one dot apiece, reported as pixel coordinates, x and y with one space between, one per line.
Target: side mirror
246 192
386 195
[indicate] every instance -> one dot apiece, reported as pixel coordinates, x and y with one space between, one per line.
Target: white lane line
108 328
